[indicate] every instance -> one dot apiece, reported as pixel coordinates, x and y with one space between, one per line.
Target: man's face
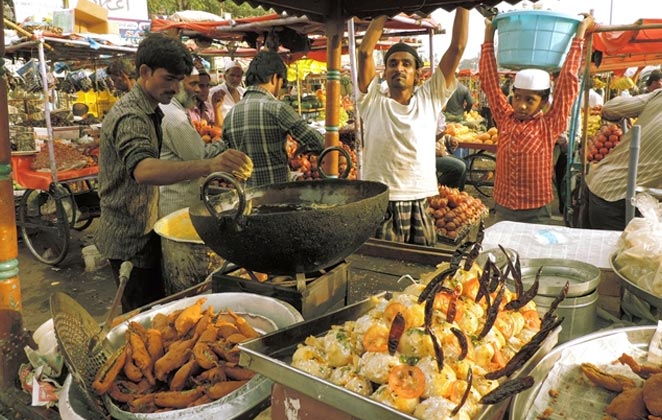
655 85
526 103
203 84
233 77
400 71
189 89
122 82
160 84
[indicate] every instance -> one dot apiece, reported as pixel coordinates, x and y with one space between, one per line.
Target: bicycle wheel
481 171
44 226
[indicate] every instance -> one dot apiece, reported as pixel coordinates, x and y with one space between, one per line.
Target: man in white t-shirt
400 128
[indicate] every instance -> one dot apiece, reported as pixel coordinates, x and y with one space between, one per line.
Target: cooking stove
312 294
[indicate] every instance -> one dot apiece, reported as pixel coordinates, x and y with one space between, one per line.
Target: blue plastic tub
534 39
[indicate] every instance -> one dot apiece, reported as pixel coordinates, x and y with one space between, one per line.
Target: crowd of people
152 159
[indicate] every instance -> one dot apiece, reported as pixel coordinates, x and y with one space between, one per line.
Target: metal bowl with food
561 391
291 227
263 315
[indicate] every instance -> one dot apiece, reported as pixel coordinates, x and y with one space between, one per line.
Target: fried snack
183 374
226 329
131 371
154 344
189 317
653 395
243 325
213 375
238 373
204 355
143 404
237 338
226 351
178 399
176 356
643 370
206 319
205 399
141 357
611 382
628 405
221 389
125 391
210 334
109 371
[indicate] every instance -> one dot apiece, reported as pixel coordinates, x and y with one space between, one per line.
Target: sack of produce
605 139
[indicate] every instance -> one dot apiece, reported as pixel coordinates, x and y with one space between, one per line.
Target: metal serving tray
262 312
521 406
270 355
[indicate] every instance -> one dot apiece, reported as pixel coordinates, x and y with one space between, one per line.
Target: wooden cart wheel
481 172
44 226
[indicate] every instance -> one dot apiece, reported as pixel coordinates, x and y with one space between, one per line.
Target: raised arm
451 58
365 59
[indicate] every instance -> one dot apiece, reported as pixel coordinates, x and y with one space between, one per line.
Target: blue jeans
451 171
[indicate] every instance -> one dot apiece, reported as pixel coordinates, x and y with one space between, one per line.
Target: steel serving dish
263 313
634 288
522 404
270 356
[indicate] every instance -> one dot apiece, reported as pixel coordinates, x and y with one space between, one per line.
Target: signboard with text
37 10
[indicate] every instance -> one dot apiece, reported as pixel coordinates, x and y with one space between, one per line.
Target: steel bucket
291 227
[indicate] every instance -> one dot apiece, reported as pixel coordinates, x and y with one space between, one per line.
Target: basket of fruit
455 213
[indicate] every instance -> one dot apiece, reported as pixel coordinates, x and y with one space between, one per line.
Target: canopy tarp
636 47
303 67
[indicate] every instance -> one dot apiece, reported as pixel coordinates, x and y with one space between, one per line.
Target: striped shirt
182 142
202 111
608 178
128 209
524 163
258 126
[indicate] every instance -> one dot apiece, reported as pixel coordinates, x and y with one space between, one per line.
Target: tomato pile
605 139
307 163
455 212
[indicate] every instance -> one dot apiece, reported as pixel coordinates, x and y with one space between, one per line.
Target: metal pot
290 227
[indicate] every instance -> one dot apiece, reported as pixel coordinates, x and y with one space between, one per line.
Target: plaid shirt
524 164
258 126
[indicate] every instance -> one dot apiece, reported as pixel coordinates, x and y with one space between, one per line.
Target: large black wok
292 227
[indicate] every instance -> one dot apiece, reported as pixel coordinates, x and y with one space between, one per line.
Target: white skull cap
532 79
230 64
194 71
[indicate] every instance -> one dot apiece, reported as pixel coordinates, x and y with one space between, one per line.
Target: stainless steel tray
244 400
634 288
270 356
521 405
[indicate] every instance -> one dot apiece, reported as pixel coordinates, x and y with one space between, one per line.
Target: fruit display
594 121
605 139
209 133
455 212
464 134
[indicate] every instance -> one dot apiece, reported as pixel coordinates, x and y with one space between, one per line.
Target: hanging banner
122 9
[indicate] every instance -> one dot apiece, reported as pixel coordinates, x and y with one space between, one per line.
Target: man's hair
654 77
121 66
158 50
264 65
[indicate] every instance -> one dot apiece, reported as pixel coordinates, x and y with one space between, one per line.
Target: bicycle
481 167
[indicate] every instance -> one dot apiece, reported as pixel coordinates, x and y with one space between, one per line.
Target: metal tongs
487 11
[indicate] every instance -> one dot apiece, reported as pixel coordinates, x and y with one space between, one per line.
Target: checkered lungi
408 222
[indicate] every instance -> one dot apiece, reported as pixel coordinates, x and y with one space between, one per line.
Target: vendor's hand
587 24
234 162
218 97
452 143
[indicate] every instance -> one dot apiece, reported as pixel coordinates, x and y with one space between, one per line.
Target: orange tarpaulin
618 50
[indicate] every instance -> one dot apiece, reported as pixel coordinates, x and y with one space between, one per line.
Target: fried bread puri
628 405
652 394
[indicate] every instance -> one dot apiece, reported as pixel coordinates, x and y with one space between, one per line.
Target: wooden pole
334 30
12 336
